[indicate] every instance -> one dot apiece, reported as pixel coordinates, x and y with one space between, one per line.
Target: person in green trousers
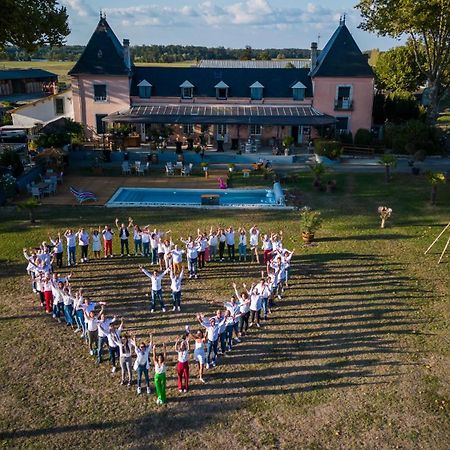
160 375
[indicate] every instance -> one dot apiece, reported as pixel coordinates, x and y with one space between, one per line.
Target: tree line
158 53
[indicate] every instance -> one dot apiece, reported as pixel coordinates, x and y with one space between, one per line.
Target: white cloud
79 7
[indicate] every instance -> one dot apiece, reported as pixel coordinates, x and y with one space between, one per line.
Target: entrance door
100 125
294 133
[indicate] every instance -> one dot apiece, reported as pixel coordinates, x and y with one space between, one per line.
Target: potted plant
310 222
435 178
389 161
287 144
204 166
231 167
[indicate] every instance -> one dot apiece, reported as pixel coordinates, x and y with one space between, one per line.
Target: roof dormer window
298 91
145 89
256 91
221 90
187 90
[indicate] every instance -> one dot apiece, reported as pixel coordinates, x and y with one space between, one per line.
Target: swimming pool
172 197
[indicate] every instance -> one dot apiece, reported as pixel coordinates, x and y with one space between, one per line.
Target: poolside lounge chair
186 170
126 168
169 169
83 196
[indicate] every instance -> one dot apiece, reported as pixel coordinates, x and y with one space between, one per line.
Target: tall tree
427 23
396 70
30 23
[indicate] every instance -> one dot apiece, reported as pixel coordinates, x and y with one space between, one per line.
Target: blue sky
232 23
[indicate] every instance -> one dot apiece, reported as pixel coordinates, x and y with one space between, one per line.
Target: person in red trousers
182 349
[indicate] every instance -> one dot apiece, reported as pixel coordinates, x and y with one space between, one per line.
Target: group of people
217 335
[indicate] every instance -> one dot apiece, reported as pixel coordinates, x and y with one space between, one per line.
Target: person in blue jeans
103 331
71 239
156 279
145 239
212 333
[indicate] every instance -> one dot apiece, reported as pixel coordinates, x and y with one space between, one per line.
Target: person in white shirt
141 364
167 251
83 243
244 309
177 259
203 245
58 250
222 240
107 241
242 247
145 236
71 239
175 286
212 333
213 242
229 235
160 375
156 280
182 349
113 336
103 330
92 322
267 248
137 238
255 303
96 244
58 302
126 364
254 242
199 352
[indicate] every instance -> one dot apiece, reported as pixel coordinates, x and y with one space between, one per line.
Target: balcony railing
343 104
100 98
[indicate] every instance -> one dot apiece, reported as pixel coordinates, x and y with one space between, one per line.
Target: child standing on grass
160 375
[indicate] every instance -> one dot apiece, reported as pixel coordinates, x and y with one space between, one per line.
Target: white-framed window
343 99
187 92
59 106
255 130
221 93
188 128
222 129
100 94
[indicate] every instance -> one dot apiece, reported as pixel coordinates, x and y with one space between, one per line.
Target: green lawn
356 355
61 68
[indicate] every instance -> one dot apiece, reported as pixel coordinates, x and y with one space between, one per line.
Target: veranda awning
222 114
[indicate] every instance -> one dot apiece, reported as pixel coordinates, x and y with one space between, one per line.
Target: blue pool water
230 198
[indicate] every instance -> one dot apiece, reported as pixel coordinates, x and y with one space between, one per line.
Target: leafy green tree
396 70
427 24
31 23
246 54
29 205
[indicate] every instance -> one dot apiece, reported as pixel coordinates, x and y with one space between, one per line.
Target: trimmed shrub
363 137
330 149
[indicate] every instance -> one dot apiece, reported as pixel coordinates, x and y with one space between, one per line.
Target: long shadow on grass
338 327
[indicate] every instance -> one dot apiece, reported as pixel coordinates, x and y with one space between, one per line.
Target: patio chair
186 170
140 169
35 192
169 169
126 168
82 196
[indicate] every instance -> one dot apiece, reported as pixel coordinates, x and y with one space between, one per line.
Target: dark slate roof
103 54
17 74
166 81
341 57
223 114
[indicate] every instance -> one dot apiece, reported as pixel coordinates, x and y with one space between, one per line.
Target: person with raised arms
156 291
160 375
141 364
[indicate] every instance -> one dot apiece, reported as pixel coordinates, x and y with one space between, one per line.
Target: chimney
313 55
126 53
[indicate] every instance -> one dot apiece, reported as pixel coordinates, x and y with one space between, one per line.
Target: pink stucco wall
325 91
85 108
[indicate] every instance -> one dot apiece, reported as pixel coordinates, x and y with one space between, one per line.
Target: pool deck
104 187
